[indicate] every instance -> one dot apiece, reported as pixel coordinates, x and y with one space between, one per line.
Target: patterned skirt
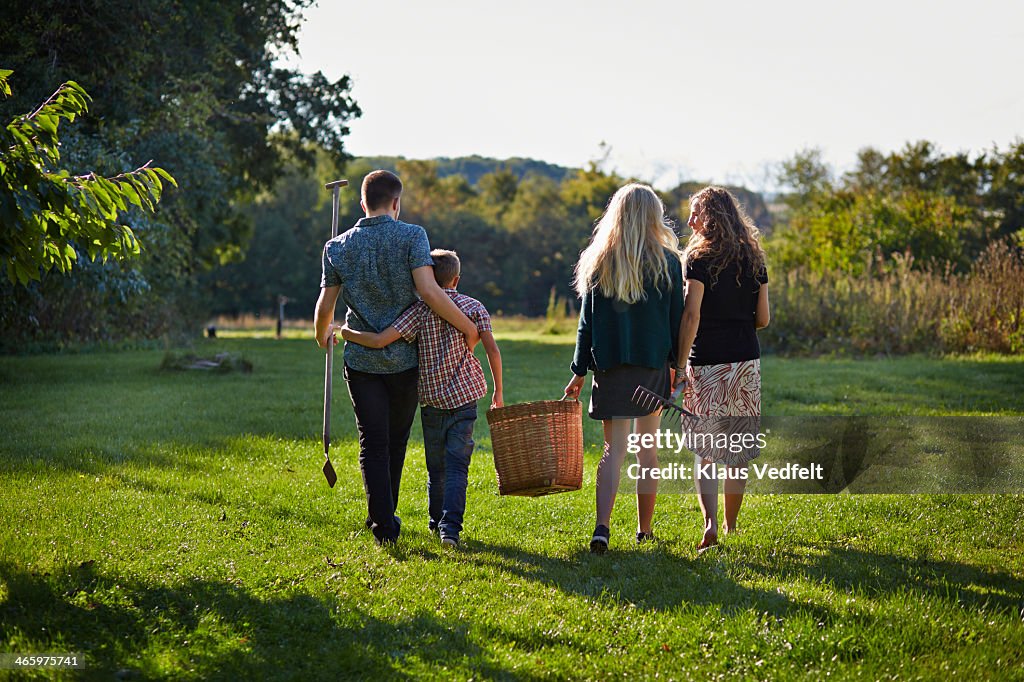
727 401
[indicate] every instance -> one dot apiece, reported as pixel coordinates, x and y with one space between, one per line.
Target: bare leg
733 500
707 497
647 487
609 470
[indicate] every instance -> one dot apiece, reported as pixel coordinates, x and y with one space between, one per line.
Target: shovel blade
329 474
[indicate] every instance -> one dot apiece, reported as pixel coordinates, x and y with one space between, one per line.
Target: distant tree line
910 251
519 229
941 209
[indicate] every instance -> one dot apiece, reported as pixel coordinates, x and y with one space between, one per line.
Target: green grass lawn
177 525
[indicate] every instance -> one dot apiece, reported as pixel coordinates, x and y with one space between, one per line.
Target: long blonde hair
627 250
729 235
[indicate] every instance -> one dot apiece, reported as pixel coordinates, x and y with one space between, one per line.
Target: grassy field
176 524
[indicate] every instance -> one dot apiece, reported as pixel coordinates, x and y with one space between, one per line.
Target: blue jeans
448 442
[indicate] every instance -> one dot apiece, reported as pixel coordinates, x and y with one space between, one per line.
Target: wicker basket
538 447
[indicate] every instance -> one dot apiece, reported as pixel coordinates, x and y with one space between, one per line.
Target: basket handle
566 397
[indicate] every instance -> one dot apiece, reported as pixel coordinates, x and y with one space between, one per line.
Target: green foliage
194 86
807 176
283 256
50 215
939 209
560 316
846 230
912 251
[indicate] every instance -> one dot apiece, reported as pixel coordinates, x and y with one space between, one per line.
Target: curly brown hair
729 235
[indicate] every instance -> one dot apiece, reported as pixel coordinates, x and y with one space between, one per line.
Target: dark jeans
448 443
384 405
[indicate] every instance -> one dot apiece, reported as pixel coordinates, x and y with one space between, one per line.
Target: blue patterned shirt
373 264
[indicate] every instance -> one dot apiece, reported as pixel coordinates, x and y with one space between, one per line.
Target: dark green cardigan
646 333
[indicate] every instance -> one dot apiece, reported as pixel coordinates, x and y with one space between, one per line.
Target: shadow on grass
218 630
656 579
653 578
878 575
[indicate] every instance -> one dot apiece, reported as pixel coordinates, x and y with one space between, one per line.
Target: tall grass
898 308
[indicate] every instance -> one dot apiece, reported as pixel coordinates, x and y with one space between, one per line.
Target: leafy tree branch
49 215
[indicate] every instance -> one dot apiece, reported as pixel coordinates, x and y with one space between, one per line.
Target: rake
650 400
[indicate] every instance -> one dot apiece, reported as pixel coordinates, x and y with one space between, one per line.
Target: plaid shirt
450 376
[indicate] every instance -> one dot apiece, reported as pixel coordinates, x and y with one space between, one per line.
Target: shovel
329 474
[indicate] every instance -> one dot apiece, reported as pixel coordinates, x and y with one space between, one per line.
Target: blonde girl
631 284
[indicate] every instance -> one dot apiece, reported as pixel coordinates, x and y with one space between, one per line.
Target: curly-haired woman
726 302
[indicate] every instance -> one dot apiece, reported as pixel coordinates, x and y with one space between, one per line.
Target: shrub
897 308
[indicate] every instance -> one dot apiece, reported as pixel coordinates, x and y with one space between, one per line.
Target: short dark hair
379 188
446 266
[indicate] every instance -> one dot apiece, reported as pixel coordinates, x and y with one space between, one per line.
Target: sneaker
449 541
642 537
599 543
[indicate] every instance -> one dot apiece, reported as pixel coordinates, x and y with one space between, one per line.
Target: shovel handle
327 395
335 186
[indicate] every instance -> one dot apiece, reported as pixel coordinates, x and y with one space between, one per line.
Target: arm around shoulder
371 339
438 301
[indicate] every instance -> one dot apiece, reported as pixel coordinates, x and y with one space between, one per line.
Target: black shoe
391 540
369 522
599 543
642 537
450 541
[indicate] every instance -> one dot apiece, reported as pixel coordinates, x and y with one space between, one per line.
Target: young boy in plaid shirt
451 380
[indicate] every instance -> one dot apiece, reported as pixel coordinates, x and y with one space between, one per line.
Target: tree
195 86
1006 196
50 215
806 176
937 208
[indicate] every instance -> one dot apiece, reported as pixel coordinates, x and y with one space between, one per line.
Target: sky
707 91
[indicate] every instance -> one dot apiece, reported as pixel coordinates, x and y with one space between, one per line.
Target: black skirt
612 390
